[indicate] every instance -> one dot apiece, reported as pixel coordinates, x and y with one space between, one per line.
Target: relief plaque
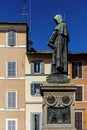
58 115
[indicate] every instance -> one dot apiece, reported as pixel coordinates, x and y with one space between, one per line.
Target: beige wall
20 116
46 59
28 95
15 85
31 108
34 103
12 54
30 78
16 53
20 38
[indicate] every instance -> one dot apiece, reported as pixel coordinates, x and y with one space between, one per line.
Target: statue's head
58 18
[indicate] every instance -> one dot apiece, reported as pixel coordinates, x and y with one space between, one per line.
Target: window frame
73 72
15 69
16 99
16 123
32 120
32 92
82 92
41 68
7 38
81 119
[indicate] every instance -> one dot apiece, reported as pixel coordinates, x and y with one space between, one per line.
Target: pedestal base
58 78
58 111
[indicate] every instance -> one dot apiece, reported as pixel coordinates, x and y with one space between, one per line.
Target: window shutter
78 94
32 89
73 70
80 70
11 99
14 69
32 121
77 69
11 38
78 120
42 67
32 67
40 121
11 69
36 116
11 124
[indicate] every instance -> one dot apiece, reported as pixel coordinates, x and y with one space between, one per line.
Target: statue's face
58 18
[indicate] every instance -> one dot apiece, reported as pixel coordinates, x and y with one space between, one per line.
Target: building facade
13 40
22 73
37 69
38 66
78 75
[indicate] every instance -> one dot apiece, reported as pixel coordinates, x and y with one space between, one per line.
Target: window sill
14 77
12 109
16 46
77 78
36 95
11 77
79 101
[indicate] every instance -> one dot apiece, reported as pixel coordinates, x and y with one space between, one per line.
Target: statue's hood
58 18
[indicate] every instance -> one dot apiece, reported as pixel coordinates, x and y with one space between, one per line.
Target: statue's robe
59 42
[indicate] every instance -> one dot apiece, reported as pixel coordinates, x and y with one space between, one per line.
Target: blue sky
42 23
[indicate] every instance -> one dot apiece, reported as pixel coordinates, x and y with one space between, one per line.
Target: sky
40 14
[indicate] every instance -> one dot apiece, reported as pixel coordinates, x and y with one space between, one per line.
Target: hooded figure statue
59 43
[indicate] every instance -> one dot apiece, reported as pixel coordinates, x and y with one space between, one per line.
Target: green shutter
32 121
37 126
80 69
78 93
78 120
40 120
32 89
11 69
42 67
73 70
11 38
32 67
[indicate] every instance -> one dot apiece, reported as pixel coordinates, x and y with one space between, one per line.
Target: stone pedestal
58 106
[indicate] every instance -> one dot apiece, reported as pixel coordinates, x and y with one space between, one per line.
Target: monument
58 91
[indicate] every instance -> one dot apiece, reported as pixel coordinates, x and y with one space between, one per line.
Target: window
37 67
35 89
11 99
11 38
36 121
11 69
78 120
11 124
78 93
77 70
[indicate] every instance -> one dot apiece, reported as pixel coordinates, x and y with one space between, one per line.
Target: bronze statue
59 43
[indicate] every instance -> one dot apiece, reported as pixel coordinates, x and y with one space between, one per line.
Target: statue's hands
52 39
